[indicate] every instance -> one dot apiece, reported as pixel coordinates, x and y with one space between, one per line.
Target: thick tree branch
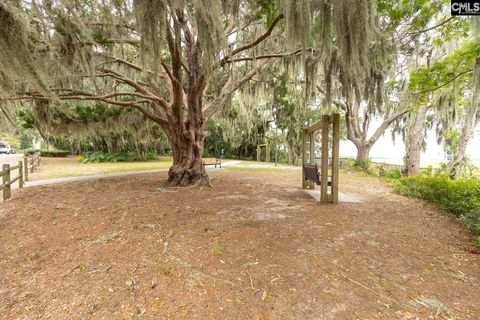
444 84
231 86
264 36
413 33
79 95
175 74
266 56
341 104
132 42
129 64
385 124
118 76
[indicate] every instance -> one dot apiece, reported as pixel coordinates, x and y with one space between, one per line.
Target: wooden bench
212 162
311 173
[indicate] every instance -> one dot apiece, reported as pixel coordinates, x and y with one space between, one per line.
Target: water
424 162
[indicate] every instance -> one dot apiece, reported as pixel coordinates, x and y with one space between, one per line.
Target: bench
311 173
212 162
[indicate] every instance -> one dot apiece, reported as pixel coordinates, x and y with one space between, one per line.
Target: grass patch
218 248
167 272
52 168
255 169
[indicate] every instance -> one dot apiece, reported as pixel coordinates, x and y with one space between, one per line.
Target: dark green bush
384 170
124 156
47 153
459 197
394 173
364 164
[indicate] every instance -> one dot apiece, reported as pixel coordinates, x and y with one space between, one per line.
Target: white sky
394 152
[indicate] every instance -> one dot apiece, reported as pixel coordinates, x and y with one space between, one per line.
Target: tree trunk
455 166
469 122
363 152
291 156
187 145
413 143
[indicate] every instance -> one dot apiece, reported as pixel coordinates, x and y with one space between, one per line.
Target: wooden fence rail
29 164
350 162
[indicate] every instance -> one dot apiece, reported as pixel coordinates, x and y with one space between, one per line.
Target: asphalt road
11 159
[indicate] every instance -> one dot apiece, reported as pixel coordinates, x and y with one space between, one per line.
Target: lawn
52 168
260 169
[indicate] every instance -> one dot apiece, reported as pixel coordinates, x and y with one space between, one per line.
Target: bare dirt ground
252 247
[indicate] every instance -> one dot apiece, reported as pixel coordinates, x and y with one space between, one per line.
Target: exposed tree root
179 176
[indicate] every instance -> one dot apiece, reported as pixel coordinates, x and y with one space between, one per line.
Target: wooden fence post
25 167
304 157
20 174
335 157
7 192
324 164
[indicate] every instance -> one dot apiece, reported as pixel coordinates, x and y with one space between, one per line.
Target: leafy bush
124 156
393 173
384 170
459 197
47 153
364 164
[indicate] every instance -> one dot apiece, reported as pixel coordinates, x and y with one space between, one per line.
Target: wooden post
304 156
7 192
324 164
312 149
335 157
267 153
20 174
25 167
32 165
258 153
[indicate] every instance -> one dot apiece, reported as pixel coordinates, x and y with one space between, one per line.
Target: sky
393 152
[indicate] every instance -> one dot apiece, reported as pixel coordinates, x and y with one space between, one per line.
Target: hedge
459 197
47 153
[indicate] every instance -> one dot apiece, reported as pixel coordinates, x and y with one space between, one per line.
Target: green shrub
459 197
428 171
373 171
47 153
124 156
364 164
394 173
378 169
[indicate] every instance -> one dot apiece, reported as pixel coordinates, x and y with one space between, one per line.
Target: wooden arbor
267 152
309 166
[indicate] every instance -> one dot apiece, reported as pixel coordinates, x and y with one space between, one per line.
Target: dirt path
251 247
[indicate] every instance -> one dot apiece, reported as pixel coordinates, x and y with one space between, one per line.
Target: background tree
450 83
171 60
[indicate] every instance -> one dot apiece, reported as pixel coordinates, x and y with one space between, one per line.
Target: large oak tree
178 62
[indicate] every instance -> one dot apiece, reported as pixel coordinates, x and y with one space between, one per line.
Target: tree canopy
174 66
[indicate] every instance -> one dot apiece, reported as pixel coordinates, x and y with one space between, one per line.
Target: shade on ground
254 246
342 197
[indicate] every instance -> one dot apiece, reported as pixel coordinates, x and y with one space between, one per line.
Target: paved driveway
11 159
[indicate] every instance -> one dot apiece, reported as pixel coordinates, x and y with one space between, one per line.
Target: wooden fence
29 164
350 162
385 167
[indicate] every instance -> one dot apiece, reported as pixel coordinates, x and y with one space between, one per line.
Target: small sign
465 7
